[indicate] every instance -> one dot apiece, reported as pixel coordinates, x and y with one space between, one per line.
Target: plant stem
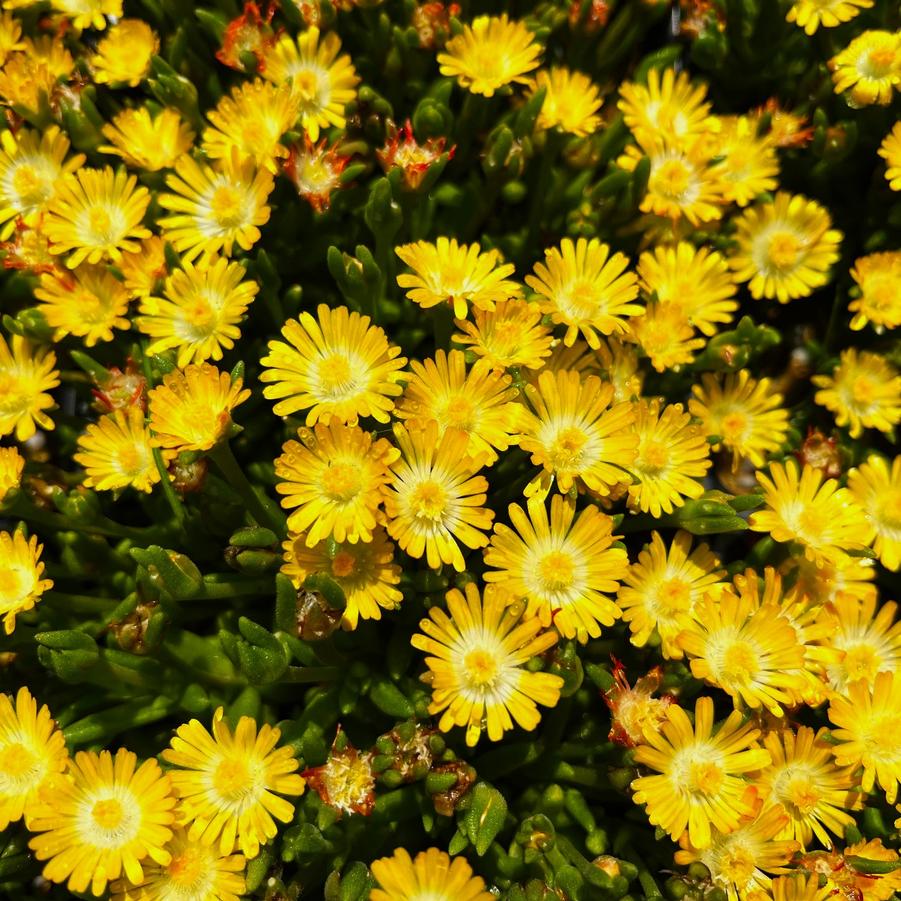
78 603
24 509
169 492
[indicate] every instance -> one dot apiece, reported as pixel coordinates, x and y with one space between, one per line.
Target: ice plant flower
491 53
456 274
414 159
432 874
878 278
666 336
89 13
143 272
571 101
509 335
26 375
124 53
147 142
11 465
475 668
102 820
191 410
435 498
335 366
785 248
876 486
864 392
315 170
251 32
699 784
869 68
890 151
811 14
564 566
787 128
633 708
32 751
333 480
345 782
749 164
228 783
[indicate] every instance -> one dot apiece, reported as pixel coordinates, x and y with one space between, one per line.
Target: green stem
172 498
24 509
78 603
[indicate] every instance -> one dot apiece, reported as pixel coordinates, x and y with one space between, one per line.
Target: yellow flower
510 335
699 783
11 465
476 669
143 272
785 248
10 36
337 366
201 310
96 214
322 83
315 171
147 142
821 582
89 13
665 336
216 207
797 886
750 164
191 410
870 66
365 571
864 392
116 452
123 56
102 820
571 101
662 588
810 14
21 585
26 375
868 726
432 874
818 515
335 478
620 366
634 708
890 151
228 783
489 54
878 491
575 434
32 750
196 872
252 119
88 303
746 414
585 288
457 274
481 403
25 79
672 457
565 567
31 165
878 278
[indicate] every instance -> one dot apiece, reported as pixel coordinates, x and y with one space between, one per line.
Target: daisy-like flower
432 874
200 312
751 654
345 782
489 54
878 278
565 567
818 583
144 271
334 479
11 465
510 335
802 507
661 590
745 413
476 667
26 375
147 142
749 165
32 750
192 409
96 214
633 708
665 336
863 392
811 14
877 489
25 79
582 286
88 303
481 402
321 82
890 151
365 571
116 452
868 728
123 55
699 783
315 170
575 434
337 365
31 165
785 248
215 208
436 499
696 281
869 68
195 872
89 13
672 457
252 119
456 274
228 783
571 101
107 816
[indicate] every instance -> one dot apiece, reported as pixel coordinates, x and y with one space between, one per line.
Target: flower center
107 814
201 317
481 667
803 794
28 184
889 510
783 250
556 570
863 389
306 85
653 457
428 500
232 780
227 207
705 777
343 565
882 737
881 62
673 597
738 866
101 226
861 662
566 451
741 664
672 178
459 413
342 481
131 459
16 761
14 585
188 871
336 376
733 426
